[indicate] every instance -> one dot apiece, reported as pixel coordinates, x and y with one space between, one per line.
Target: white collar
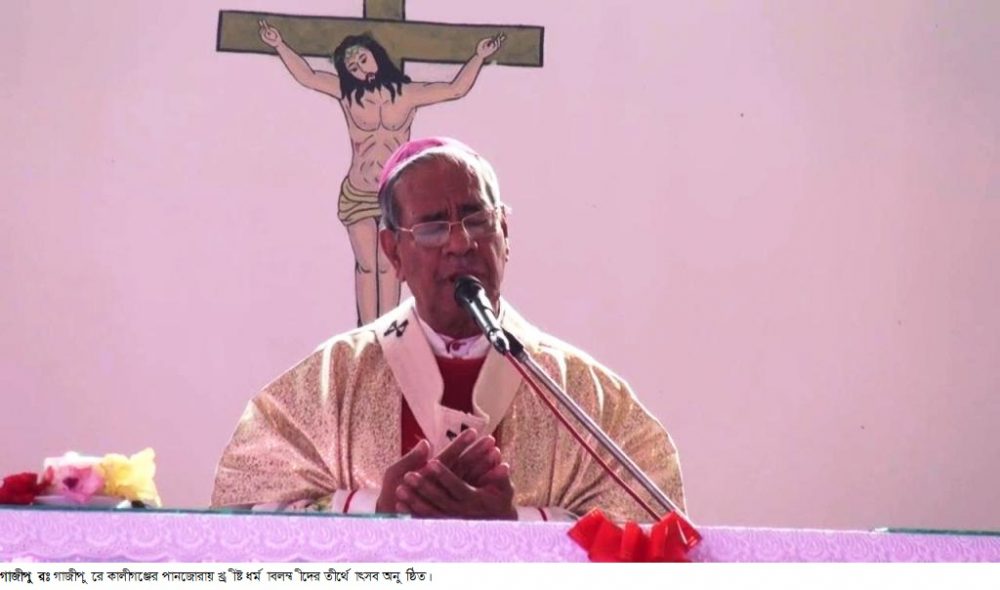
406 347
473 347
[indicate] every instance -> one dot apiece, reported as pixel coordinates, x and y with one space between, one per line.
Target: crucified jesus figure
379 102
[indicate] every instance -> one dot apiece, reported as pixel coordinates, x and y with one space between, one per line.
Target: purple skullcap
414 148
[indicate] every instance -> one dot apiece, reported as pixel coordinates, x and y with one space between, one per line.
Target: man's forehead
442 163
440 172
437 185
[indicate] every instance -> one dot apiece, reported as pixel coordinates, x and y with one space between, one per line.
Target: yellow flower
131 477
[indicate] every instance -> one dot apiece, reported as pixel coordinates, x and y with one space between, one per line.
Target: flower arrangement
78 479
20 488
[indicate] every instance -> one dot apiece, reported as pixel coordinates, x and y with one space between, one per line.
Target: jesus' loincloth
354 205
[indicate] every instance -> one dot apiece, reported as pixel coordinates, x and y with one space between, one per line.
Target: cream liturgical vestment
333 421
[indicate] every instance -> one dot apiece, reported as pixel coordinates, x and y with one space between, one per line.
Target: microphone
469 293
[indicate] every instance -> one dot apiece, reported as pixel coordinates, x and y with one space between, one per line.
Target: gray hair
471 161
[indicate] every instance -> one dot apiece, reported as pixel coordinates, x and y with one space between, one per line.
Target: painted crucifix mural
378 100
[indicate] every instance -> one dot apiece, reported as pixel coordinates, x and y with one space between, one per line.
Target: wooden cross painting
378 99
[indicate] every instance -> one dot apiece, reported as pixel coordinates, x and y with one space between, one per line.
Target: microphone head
467 288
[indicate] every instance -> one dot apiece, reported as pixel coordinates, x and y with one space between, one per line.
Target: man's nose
459 240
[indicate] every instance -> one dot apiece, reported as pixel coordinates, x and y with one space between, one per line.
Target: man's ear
506 237
390 246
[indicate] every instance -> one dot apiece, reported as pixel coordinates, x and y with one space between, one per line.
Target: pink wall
778 220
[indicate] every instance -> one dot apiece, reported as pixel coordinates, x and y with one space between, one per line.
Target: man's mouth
452 277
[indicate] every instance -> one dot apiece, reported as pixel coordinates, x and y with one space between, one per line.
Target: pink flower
76 483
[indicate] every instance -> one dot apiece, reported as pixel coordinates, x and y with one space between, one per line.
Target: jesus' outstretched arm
299 68
428 93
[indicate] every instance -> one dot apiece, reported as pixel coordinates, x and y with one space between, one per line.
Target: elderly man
415 413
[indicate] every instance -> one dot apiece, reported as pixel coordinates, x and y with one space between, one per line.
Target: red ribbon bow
668 541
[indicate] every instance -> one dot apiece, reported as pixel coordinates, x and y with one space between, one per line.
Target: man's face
439 189
360 62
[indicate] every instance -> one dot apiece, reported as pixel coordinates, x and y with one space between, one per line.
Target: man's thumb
417 456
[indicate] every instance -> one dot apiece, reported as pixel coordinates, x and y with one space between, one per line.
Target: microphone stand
528 367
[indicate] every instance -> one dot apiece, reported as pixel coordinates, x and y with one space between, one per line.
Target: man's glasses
434 234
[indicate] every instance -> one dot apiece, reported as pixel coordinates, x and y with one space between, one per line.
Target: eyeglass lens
435 233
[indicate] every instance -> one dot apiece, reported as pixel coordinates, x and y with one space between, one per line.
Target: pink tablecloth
54 535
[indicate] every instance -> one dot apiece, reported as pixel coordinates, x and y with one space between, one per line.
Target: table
192 536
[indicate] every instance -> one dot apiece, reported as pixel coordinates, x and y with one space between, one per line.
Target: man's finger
428 486
457 446
415 458
499 477
474 457
478 449
425 496
451 483
476 472
415 506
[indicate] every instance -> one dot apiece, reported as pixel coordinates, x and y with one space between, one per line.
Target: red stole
459 376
